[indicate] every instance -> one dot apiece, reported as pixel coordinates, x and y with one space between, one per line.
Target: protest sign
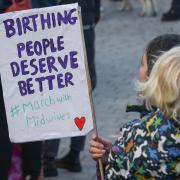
43 74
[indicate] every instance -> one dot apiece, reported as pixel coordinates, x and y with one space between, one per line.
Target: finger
96 144
104 141
94 136
96 156
94 150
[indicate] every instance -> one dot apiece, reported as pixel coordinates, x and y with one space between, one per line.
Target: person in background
174 12
31 151
5 144
155 129
90 10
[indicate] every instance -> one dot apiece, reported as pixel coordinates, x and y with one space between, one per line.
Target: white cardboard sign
43 74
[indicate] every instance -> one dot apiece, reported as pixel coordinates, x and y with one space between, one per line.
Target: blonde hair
162 89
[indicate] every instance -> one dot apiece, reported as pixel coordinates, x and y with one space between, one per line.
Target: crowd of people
147 147
172 15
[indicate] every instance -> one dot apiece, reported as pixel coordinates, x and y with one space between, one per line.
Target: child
149 147
156 46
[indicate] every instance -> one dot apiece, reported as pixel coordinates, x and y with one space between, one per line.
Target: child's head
154 49
162 89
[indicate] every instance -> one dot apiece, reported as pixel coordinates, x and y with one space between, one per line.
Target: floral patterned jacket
147 149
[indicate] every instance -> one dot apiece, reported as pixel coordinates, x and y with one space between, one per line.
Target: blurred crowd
149 8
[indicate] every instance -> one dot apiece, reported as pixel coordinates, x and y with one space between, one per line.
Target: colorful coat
148 148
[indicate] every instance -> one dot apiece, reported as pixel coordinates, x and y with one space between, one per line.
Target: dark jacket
4 4
90 8
3 123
